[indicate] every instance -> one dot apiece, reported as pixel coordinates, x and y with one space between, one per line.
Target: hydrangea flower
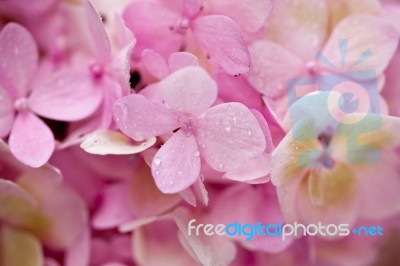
225 135
274 63
329 173
30 216
218 35
23 98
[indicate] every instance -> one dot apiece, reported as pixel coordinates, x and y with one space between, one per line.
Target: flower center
312 67
21 104
181 26
187 123
97 70
325 138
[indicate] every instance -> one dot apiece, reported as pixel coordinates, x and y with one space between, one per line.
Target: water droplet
221 165
228 128
196 153
180 173
249 132
157 161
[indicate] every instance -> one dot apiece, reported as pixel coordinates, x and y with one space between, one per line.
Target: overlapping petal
34 148
228 135
189 91
176 165
222 41
19 59
67 96
129 115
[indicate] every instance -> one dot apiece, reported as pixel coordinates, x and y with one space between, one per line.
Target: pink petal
50 262
238 89
35 9
201 191
190 90
115 209
299 26
114 264
152 93
88 187
155 64
145 199
329 196
121 65
250 15
67 96
123 35
228 135
364 34
207 250
253 169
284 161
379 188
31 141
159 238
188 196
189 8
139 18
99 38
262 206
6 113
176 165
78 254
19 59
131 116
180 60
221 39
112 91
340 9
267 133
58 229
272 67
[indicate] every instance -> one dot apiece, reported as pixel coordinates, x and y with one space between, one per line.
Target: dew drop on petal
157 161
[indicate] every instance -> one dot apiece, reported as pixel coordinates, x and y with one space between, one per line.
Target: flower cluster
130 129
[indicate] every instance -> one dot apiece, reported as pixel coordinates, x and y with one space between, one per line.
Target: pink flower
261 206
225 135
326 170
218 35
160 68
274 62
36 210
99 67
23 98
